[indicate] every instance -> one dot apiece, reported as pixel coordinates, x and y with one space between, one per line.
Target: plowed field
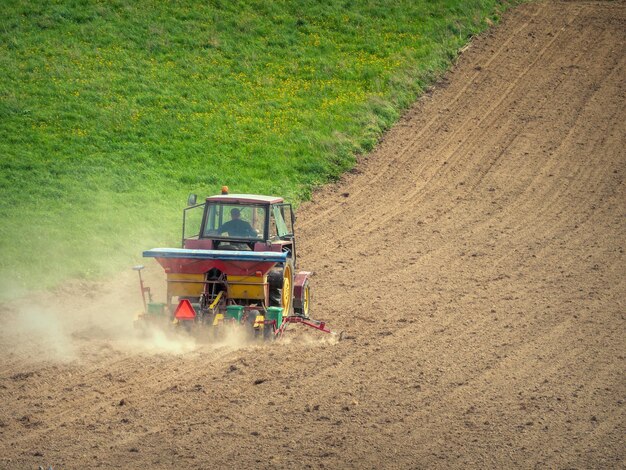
475 261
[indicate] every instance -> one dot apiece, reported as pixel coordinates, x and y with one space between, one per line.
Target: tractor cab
239 222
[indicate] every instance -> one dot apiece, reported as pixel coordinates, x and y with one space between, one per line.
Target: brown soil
475 261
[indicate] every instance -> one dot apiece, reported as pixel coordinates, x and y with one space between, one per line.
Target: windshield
241 222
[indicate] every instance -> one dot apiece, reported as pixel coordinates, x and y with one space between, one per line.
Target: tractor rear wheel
286 296
275 295
275 280
281 288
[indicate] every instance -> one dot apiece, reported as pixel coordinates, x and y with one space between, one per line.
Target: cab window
238 221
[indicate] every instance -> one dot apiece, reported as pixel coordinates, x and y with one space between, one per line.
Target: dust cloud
50 334
46 335
34 330
33 333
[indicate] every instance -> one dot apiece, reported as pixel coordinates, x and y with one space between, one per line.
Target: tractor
237 266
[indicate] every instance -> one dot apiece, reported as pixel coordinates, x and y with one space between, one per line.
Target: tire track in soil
396 160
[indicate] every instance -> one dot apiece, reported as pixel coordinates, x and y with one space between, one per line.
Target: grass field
111 112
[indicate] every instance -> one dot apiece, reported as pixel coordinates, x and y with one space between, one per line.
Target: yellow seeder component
247 287
185 285
218 319
259 321
216 301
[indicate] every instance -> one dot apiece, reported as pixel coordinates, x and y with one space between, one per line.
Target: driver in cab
237 227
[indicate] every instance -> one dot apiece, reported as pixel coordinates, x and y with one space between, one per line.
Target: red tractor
237 265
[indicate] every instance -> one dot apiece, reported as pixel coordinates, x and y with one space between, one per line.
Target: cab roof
245 198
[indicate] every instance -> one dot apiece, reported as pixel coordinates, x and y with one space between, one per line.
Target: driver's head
234 214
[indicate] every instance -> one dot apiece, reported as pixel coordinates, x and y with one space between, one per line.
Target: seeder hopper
236 267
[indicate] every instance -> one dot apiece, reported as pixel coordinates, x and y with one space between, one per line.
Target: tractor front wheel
303 309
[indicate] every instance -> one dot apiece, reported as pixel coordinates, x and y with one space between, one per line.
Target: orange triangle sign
185 311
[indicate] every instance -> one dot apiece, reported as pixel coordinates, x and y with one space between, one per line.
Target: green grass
111 112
